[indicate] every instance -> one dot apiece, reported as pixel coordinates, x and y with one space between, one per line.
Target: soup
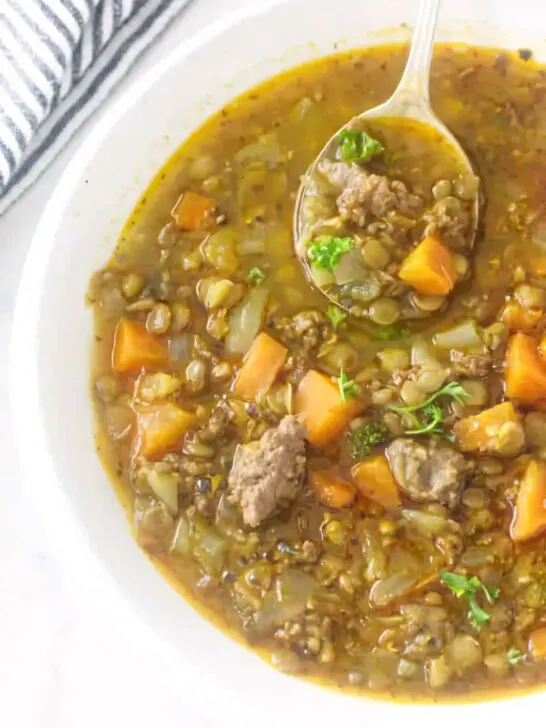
358 497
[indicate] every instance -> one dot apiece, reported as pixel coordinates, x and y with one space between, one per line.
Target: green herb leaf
357 146
477 616
326 251
514 656
365 438
460 585
336 315
431 414
256 275
392 332
469 588
347 387
453 389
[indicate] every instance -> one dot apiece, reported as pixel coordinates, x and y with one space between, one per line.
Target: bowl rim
23 381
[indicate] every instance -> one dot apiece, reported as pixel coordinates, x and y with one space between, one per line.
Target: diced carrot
160 429
374 479
537 643
530 513
429 268
261 367
525 369
478 432
135 348
192 210
321 409
331 490
518 318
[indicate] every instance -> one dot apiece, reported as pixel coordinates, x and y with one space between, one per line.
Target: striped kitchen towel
58 61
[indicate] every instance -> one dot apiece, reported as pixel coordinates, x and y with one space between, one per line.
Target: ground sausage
428 473
452 224
271 474
471 365
307 329
365 194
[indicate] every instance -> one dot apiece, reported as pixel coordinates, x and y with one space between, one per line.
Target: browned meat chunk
428 474
306 328
471 365
364 194
268 474
451 221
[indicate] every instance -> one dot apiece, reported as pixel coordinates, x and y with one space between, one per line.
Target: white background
66 661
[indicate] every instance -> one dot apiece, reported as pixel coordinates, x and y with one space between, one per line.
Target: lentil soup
356 491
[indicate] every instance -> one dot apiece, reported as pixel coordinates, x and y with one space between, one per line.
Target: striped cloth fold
59 59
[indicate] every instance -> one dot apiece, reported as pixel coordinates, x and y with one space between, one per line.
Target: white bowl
53 331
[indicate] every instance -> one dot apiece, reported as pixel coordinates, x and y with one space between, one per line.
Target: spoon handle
415 79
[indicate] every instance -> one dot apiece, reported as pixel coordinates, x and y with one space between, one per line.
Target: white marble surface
66 659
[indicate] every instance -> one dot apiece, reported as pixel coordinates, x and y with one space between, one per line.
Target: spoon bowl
409 101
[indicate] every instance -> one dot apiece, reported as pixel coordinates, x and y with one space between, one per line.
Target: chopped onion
420 353
208 547
180 347
463 653
423 614
118 420
294 585
267 149
351 268
165 487
385 590
227 517
322 277
462 336
293 589
336 356
245 320
475 556
254 244
181 541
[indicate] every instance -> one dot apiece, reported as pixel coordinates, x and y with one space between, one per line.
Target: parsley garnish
514 656
431 414
431 417
327 250
357 146
469 588
392 332
365 438
256 275
336 315
348 388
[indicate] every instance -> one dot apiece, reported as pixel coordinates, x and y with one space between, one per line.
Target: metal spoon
410 100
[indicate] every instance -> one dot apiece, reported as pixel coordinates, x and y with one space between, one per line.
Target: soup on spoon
387 214
388 220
